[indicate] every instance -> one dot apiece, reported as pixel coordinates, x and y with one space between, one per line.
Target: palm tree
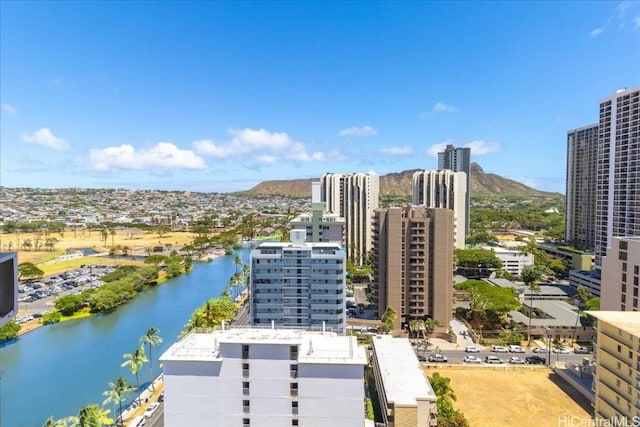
238 262
113 234
430 325
582 295
117 392
388 318
151 338
530 276
135 361
93 416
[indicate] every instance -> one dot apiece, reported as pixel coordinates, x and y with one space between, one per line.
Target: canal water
57 369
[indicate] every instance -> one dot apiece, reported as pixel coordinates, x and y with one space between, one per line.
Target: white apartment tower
444 189
458 159
298 284
618 169
353 196
582 158
264 377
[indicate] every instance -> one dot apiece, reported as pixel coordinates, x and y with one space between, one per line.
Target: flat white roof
402 375
315 347
628 321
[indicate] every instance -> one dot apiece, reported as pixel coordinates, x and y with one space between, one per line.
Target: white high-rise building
264 377
444 189
298 284
353 196
618 169
614 176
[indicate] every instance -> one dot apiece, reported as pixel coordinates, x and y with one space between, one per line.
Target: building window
293 352
294 422
294 408
294 389
246 422
294 371
245 351
245 370
245 406
245 388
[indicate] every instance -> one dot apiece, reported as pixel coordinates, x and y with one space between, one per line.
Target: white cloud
479 147
636 23
438 147
161 155
261 146
596 32
355 131
397 151
43 136
9 109
441 107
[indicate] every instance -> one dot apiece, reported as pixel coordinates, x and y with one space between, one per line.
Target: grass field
93 240
495 398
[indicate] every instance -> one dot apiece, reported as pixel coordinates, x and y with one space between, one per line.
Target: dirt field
94 240
494 398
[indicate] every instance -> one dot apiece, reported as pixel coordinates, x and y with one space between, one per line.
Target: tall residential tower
458 159
444 189
353 196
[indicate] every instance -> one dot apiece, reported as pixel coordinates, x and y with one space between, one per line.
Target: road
456 356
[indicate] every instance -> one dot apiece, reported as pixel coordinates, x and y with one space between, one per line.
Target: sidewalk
147 397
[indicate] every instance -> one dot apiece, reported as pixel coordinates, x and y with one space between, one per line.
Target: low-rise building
406 396
264 377
513 260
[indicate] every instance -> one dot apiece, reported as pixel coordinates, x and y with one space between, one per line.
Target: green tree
583 296
112 232
476 263
388 319
69 304
51 317
135 361
9 331
117 393
156 259
29 270
530 275
593 304
151 338
93 416
446 415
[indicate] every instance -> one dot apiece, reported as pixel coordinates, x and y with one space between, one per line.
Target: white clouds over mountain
356 131
163 154
258 145
44 137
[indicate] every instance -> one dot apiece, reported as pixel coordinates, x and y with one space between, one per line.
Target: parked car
438 358
472 359
582 350
472 349
535 360
492 359
516 360
516 349
562 350
422 358
151 409
540 350
499 349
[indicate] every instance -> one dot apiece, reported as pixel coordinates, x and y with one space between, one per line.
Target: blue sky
218 96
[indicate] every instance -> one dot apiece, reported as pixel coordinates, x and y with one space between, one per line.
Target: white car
471 359
540 350
499 349
562 350
471 349
516 360
151 409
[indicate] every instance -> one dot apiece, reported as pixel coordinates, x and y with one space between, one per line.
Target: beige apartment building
617 359
620 284
405 394
413 263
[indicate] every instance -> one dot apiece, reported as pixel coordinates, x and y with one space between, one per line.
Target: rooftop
403 378
315 347
628 321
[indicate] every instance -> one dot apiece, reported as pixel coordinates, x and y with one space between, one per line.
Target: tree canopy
476 263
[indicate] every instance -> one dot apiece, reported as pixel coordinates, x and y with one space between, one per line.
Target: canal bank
54 371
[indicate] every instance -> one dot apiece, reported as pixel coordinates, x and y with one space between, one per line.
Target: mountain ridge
400 183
